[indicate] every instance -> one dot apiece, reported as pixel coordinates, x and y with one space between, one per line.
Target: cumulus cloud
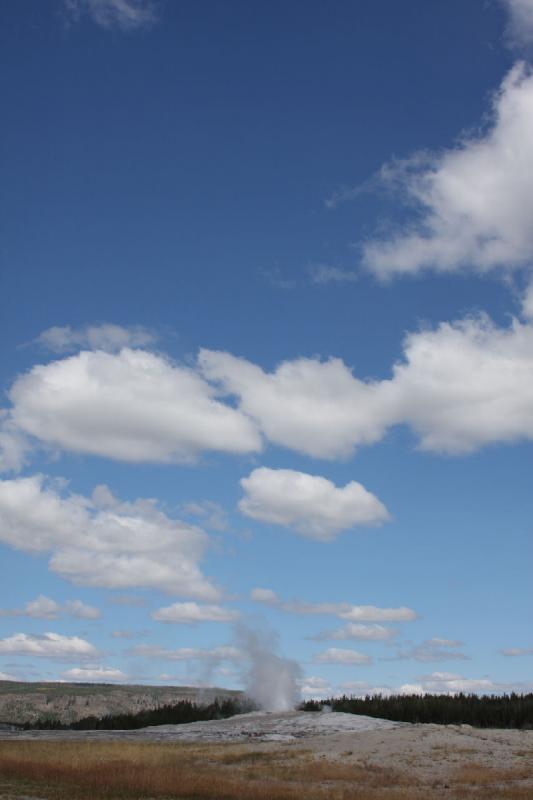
108 337
88 674
126 15
474 202
345 611
315 407
357 630
45 608
335 655
459 386
467 384
310 504
49 645
131 406
102 541
224 653
187 613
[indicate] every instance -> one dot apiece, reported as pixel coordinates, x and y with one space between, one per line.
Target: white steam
271 681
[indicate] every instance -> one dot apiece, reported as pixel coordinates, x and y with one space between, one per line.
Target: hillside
69 702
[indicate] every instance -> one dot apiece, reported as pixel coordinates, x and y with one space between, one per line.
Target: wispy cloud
513 652
226 653
435 649
322 274
106 336
345 611
213 515
124 15
191 613
335 655
357 631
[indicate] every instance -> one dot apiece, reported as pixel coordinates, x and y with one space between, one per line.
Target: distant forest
480 711
177 714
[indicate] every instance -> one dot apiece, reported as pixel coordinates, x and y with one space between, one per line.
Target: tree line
481 711
176 714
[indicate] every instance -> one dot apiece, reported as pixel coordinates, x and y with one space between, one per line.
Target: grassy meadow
72 770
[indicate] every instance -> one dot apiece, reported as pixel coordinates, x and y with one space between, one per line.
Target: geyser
271 680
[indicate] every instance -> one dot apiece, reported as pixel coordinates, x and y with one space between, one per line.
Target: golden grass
115 770
480 775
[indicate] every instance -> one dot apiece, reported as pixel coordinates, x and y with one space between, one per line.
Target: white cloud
450 683
467 384
102 541
315 407
49 645
5 676
266 596
322 273
126 15
187 613
375 614
41 608
131 406
225 653
108 337
459 386
357 630
88 674
315 688
310 504
436 683
345 611
335 655
45 608
520 28
475 201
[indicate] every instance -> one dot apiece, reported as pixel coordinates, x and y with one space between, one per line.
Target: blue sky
267 351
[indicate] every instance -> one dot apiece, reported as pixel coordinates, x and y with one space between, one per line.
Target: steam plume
270 680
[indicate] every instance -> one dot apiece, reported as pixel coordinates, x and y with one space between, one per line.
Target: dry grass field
75 770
